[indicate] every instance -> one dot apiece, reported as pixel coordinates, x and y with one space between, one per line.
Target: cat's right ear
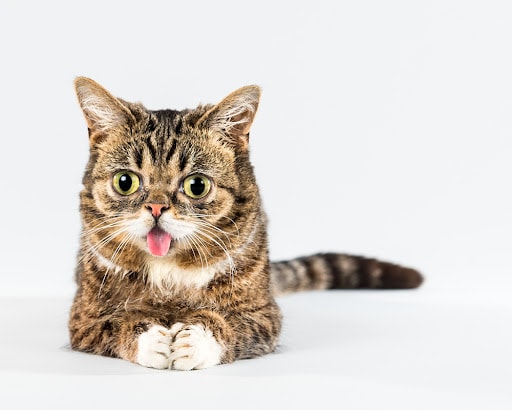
103 112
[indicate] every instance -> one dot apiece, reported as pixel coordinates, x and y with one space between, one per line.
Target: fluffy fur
171 276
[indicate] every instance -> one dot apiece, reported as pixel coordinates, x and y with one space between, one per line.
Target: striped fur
338 271
169 280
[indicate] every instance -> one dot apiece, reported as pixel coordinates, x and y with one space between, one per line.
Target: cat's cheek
194 347
153 348
101 198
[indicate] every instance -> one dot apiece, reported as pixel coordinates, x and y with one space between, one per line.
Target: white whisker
116 227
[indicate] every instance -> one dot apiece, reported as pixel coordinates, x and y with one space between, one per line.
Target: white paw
154 347
193 347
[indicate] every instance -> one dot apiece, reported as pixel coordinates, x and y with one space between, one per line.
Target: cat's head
168 189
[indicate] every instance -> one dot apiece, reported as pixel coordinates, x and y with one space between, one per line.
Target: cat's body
173 269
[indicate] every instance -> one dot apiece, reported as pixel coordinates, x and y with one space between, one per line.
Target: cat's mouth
159 241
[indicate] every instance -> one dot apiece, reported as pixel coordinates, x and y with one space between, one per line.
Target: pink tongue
159 241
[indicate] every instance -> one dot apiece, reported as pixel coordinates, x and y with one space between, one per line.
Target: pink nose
156 209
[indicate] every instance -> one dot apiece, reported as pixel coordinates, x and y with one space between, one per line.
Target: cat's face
167 185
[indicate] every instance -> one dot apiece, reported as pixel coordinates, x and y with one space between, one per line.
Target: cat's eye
126 182
196 186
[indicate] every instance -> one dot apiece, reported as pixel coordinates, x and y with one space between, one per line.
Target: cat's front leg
206 338
202 339
136 336
154 347
194 347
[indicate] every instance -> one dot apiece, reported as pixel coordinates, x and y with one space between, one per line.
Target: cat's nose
156 209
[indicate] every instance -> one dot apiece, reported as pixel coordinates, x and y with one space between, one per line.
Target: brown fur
221 279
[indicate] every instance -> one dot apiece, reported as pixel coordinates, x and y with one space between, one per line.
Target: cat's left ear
234 115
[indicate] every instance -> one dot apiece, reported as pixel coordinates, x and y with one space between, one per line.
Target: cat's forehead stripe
172 150
153 148
161 140
178 124
137 154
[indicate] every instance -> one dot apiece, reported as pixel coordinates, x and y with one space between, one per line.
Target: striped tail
338 271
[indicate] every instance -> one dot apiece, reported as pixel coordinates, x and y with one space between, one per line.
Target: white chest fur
164 274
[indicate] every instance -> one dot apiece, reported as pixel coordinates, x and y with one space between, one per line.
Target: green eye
196 186
126 182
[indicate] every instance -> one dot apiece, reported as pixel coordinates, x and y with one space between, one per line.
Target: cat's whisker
107 222
92 251
218 241
101 227
214 230
200 216
103 282
205 226
105 225
123 226
196 246
213 237
124 242
113 260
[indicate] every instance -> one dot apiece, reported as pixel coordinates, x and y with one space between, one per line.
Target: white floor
426 349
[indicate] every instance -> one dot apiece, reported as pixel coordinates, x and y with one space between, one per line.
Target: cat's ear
234 115
103 112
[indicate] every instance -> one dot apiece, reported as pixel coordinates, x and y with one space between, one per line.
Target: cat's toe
194 347
154 348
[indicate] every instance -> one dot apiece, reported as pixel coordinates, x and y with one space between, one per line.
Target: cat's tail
339 271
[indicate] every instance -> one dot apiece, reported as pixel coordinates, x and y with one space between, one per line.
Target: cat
173 269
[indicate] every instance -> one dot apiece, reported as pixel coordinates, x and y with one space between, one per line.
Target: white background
384 129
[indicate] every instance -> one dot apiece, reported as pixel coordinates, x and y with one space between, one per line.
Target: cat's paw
193 347
154 348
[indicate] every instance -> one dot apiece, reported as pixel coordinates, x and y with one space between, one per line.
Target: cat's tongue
159 241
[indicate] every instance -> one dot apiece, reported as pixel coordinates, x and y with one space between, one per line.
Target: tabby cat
173 269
